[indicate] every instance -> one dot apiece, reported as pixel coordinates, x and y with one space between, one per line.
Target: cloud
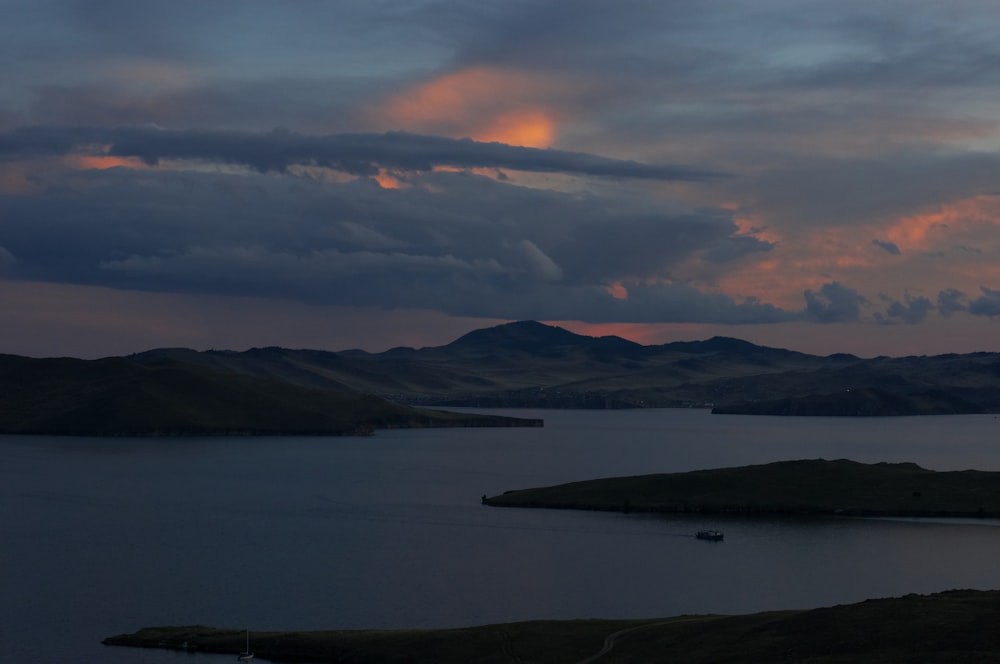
7 260
679 303
644 303
456 242
539 263
737 247
951 300
833 303
357 154
988 304
914 310
632 140
485 103
888 247
809 190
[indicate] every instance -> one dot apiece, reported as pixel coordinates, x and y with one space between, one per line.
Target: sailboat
246 655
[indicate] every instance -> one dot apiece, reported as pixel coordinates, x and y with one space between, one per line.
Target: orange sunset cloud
387 180
914 232
482 103
104 162
15 180
22 177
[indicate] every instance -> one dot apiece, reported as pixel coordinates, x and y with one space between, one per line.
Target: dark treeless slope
116 396
528 364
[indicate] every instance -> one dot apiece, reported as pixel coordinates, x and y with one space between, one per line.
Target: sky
814 175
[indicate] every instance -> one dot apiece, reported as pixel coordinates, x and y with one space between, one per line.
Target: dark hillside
116 396
529 339
953 626
531 365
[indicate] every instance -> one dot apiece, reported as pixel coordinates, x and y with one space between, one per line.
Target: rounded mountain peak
522 335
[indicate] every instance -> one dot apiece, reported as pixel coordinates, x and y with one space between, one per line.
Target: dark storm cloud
358 154
833 303
454 242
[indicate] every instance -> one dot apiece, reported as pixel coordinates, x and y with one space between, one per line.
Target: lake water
104 536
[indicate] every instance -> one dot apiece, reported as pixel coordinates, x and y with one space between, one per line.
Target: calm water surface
104 536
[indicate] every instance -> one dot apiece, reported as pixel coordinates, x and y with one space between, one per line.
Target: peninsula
170 397
945 627
818 486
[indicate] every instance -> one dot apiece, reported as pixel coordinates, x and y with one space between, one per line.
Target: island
952 626
809 486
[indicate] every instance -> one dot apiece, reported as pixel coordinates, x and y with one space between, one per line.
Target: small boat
246 655
712 535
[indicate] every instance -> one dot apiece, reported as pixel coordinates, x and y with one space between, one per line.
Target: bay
104 535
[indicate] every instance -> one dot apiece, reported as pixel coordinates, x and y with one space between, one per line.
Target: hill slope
528 364
525 364
117 396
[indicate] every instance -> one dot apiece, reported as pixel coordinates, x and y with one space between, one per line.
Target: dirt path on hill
612 639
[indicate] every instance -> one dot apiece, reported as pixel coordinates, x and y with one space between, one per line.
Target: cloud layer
642 162
457 242
355 154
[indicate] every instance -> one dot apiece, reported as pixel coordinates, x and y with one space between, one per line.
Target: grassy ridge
955 626
800 487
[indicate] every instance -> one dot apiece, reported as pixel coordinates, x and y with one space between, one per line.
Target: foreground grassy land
786 487
955 626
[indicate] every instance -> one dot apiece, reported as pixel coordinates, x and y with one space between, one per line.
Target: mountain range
522 364
532 365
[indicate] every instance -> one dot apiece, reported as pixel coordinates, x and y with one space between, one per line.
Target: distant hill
525 364
532 365
533 338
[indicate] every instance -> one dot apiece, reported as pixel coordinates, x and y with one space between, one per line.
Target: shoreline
945 626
